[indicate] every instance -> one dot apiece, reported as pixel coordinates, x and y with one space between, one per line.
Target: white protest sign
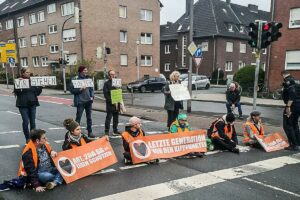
179 92
22 83
117 82
83 83
43 80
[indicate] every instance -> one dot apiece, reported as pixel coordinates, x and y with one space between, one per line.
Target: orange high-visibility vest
215 133
254 130
82 142
179 130
31 145
128 138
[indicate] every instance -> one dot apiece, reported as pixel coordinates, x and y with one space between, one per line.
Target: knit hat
182 116
70 124
230 117
134 120
81 68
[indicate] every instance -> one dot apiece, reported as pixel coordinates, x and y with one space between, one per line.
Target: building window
292 60
146 60
146 38
241 64
146 15
32 18
42 38
54 48
41 16
203 46
230 27
51 8
294 18
44 61
52 29
67 9
11 41
264 51
9 24
124 60
20 21
228 66
35 61
34 40
123 11
176 46
22 42
123 36
24 62
72 59
167 49
243 48
167 67
69 35
263 66
229 47
242 29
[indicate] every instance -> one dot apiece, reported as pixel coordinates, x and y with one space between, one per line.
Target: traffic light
77 15
67 59
266 34
253 33
60 61
275 34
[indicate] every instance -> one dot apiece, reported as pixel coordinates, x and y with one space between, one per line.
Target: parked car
198 81
150 84
185 75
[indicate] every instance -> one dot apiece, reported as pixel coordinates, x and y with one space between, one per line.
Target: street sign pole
6 74
189 102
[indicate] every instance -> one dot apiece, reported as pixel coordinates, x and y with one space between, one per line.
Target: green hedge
245 76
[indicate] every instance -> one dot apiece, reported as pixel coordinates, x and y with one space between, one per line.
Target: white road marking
155 132
9 146
59 141
140 165
212 152
201 180
9 132
14 113
57 128
50 102
104 171
272 187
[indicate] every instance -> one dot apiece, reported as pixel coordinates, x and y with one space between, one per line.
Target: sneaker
116 133
240 117
127 162
235 150
4 187
50 185
91 135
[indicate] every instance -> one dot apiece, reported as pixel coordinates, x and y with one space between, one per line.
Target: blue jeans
237 104
88 112
52 176
28 115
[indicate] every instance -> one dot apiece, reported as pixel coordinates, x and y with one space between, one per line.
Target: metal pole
218 76
104 59
6 74
257 55
189 102
138 59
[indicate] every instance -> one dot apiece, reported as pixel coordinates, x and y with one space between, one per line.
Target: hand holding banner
179 92
83 83
273 142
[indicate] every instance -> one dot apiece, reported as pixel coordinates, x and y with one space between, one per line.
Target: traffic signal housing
253 33
266 34
275 34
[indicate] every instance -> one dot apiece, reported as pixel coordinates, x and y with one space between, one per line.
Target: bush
245 76
221 81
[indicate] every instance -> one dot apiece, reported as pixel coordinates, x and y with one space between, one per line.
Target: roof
9 6
214 17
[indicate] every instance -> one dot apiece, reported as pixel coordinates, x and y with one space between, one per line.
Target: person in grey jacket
171 105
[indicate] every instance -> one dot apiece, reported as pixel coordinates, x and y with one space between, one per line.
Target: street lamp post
138 59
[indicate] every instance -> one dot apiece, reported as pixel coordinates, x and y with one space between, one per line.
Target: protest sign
179 92
167 145
22 83
272 142
117 83
43 80
116 96
83 83
82 161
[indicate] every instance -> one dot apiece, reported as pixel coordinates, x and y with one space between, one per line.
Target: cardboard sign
167 145
273 142
43 80
117 83
83 83
116 96
82 161
179 92
22 83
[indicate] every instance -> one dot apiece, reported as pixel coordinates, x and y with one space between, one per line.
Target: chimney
187 7
253 8
228 2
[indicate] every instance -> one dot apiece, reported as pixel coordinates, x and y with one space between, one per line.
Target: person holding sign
36 165
171 105
83 99
74 138
253 127
27 101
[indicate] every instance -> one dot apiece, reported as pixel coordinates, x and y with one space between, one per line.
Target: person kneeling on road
252 127
223 134
37 165
74 137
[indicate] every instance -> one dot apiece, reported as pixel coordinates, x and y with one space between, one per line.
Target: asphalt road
250 175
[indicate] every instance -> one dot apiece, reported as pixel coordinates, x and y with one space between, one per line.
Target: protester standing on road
291 113
83 99
233 99
171 105
27 101
252 127
112 110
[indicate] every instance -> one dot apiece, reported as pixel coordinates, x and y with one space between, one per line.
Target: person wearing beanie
83 99
74 138
233 99
180 125
223 135
252 127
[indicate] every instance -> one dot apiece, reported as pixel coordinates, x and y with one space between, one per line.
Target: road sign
197 61
3 52
11 52
11 60
198 53
192 48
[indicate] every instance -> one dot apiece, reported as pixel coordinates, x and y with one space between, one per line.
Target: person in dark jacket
27 101
74 138
37 165
112 110
233 98
291 113
83 99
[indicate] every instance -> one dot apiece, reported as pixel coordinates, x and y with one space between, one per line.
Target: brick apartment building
285 53
36 27
221 29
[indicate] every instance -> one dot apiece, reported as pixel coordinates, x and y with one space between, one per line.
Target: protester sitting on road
74 137
233 99
37 165
131 132
180 125
252 127
223 134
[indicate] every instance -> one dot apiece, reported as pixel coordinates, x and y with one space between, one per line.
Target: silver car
198 81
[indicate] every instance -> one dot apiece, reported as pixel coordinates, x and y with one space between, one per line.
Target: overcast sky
173 9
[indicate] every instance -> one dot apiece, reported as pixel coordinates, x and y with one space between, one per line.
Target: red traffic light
267 26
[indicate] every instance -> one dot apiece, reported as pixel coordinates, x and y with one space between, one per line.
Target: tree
245 76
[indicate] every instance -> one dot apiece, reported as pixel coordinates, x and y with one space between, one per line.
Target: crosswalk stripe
104 171
13 112
8 132
9 146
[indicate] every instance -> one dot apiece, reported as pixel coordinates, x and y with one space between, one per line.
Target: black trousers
115 116
127 155
291 125
223 144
